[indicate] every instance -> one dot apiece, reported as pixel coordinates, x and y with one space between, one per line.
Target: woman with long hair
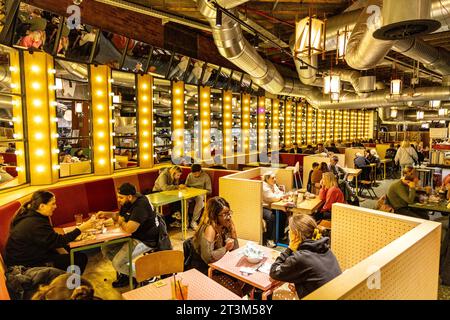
406 155
330 193
32 241
216 234
308 261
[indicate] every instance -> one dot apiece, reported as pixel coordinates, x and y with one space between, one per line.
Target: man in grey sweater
201 180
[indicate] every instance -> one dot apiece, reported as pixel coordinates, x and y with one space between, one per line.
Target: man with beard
136 216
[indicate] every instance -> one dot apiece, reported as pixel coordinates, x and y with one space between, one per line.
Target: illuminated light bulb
178 101
56 167
37 102
178 112
145 156
144 110
205 104
205 123
53 87
100 107
35 68
145 145
40 169
144 98
98 78
99 93
16 136
145 121
101 120
36 85
101 161
145 133
12 69
52 71
177 91
113 121
178 122
101 148
55 151
101 134
205 113
53 103
39 136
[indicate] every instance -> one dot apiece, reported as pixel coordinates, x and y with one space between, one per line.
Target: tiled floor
101 273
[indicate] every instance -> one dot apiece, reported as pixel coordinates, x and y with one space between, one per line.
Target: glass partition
73 111
253 124
12 142
216 125
236 129
124 120
162 114
192 137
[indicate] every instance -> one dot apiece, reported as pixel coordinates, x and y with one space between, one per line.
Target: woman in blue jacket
308 261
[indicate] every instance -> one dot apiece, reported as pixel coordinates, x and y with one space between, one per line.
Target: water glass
78 219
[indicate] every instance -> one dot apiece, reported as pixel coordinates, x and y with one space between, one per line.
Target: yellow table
384 162
354 173
166 197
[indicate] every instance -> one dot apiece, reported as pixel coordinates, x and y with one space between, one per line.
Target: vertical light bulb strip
52 115
275 125
17 114
40 93
345 125
205 121
287 123
309 131
245 124
101 109
227 123
261 124
145 118
178 118
298 132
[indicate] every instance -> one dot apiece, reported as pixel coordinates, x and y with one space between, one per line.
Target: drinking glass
179 287
78 219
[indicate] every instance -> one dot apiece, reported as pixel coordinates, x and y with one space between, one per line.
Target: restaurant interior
288 115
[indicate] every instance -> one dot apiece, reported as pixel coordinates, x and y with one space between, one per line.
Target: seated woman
59 290
308 261
215 236
32 240
271 194
330 193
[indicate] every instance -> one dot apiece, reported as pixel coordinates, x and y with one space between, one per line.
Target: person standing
406 155
201 180
137 217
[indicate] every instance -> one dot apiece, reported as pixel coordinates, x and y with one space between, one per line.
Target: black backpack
164 242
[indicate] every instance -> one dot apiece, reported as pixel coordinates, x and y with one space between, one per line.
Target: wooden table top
200 288
232 262
165 197
307 205
353 172
111 233
439 206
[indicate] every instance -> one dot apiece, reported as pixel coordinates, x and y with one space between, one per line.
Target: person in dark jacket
138 218
295 149
32 242
308 261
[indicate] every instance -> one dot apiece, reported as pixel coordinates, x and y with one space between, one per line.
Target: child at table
308 261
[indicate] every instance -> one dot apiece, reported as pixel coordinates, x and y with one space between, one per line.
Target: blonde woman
308 261
330 193
406 155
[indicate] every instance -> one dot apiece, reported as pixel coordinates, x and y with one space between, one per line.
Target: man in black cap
136 216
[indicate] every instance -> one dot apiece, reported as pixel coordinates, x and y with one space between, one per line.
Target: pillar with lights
145 116
205 121
41 117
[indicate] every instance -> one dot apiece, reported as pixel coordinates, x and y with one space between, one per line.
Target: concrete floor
101 273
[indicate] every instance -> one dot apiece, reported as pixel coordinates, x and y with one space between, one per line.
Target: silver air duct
405 19
232 45
436 59
363 50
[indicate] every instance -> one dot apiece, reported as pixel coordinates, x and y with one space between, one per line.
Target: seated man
201 180
320 149
309 149
402 193
333 148
169 179
295 149
337 170
4 176
136 216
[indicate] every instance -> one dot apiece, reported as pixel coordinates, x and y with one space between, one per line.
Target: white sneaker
194 225
175 224
177 215
270 244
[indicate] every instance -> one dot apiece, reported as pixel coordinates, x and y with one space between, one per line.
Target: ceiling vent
404 19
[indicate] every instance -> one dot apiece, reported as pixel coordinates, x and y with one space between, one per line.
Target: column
261 124
178 118
101 120
245 123
205 122
145 118
275 124
41 114
227 116
288 124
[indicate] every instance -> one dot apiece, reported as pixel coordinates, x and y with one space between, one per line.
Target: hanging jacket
309 268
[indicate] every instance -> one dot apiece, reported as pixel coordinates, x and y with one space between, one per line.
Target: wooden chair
159 263
367 183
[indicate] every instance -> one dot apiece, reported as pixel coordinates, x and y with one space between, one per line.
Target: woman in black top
32 242
308 262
